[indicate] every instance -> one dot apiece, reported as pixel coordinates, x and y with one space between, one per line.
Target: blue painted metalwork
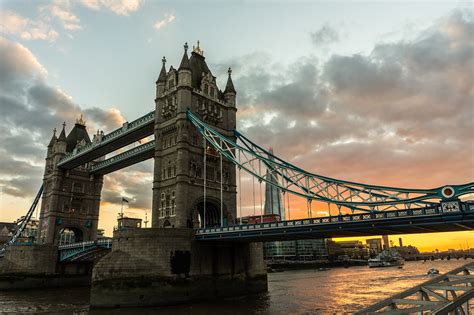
147 148
22 224
433 215
71 251
103 140
351 195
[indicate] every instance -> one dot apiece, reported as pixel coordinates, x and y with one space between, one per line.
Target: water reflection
292 292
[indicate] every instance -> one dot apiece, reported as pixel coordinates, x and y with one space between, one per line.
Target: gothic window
169 171
174 170
206 89
212 92
164 173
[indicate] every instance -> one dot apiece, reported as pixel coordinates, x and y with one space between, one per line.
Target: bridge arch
213 213
69 235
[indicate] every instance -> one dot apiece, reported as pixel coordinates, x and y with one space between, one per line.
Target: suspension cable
261 197
222 202
205 177
288 198
253 189
240 192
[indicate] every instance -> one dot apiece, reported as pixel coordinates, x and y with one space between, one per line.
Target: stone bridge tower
70 203
178 196
165 264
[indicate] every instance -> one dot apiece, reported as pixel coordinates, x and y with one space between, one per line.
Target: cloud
400 116
63 11
29 109
162 23
12 23
324 36
120 7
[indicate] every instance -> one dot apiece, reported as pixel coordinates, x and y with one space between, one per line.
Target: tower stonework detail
178 183
71 198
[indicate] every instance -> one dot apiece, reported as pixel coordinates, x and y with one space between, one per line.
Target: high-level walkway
450 293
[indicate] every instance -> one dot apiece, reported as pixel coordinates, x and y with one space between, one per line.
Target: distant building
406 251
297 250
7 229
374 245
129 223
386 244
354 249
312 249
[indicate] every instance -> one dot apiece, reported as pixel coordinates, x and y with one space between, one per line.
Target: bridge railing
436 210
102 242
126 128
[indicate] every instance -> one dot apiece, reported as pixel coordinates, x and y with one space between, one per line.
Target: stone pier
160 266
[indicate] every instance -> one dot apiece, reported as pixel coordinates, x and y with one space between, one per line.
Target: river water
333 291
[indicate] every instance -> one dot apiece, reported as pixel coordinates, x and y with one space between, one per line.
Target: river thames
333 291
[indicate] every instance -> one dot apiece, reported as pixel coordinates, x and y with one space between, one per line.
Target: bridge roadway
127 134
410 221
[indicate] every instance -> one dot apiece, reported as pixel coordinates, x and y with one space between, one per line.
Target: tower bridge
197 247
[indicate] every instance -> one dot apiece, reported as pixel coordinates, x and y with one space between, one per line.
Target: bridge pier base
167 266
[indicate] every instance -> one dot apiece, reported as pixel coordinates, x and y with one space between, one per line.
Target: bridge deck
129 133
425 220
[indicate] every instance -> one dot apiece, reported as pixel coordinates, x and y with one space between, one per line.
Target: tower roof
185 60
77 134
199 68
229 87
162 76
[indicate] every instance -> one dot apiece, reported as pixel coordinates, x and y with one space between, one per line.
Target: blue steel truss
292 179
23 222
71 251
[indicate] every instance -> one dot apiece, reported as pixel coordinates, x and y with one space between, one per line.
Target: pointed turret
62 135
53 139
184 70
185 60
160 83
229 92
60 145
162 76
229 87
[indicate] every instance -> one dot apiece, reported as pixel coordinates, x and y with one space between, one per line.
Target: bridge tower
165 264
179 199
70 203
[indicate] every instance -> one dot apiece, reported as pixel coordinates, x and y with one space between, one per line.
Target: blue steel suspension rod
390 196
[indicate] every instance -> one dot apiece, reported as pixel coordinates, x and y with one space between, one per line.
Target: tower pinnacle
185 60
162 76
229 87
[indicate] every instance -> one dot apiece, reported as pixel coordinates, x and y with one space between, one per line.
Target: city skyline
338 99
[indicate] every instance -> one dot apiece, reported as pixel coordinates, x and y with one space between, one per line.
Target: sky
372 92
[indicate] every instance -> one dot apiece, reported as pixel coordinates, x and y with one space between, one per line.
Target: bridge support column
167 266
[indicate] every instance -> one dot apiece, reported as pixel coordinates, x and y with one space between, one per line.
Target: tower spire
62 136
162 76
185 60
53 139
229 87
